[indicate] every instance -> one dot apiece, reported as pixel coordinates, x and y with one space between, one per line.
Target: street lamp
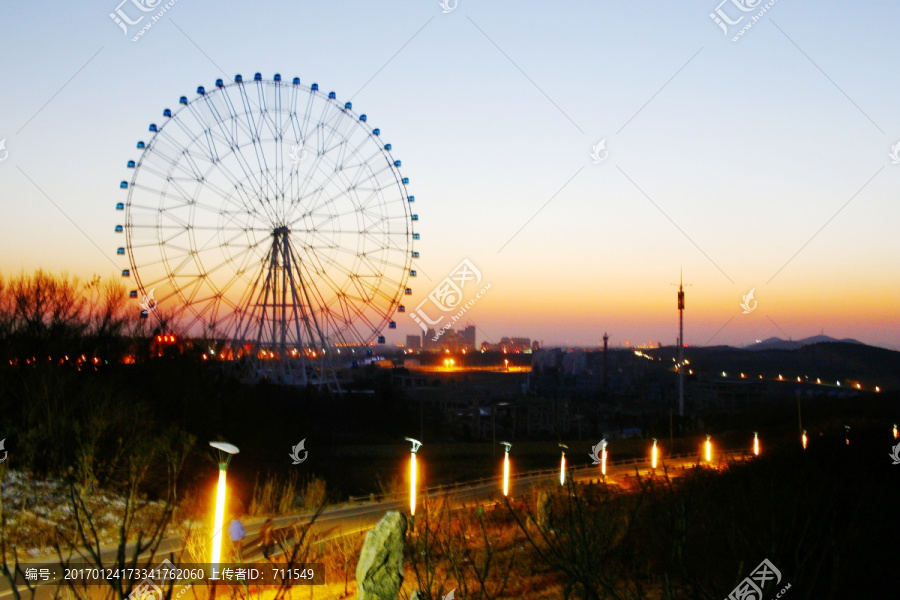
896 433
603 457
506 468
708 447
224 452
804 439
562 465
755 444
416 444
654 455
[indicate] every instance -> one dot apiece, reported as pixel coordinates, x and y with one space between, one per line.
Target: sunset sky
759 164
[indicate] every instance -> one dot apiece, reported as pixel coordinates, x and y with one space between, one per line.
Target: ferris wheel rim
290 219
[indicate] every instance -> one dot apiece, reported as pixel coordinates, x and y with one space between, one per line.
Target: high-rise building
468 337
428 342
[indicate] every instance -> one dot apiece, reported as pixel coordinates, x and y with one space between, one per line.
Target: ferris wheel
271 217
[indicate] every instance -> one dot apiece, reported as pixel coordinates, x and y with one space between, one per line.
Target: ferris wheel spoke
243 200
186 198
250 174
346 193
323 314
253 126
356 313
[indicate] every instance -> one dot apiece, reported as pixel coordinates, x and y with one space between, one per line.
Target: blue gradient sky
750 149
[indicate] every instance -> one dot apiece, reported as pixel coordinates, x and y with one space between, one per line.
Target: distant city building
454 340
535 346
428 342
413 342
515 345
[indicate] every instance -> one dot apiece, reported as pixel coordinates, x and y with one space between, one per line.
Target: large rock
379 572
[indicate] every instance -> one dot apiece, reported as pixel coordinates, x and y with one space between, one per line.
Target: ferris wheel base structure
270 221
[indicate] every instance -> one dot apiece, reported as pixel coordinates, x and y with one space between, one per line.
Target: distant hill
774 343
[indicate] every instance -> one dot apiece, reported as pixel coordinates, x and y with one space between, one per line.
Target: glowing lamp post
506 468
603 458
708 449
416 444
654 455
804 439
562 465
225 452
755 444
896 433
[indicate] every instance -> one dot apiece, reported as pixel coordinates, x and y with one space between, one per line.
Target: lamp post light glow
506 468
755 444
896 433
413 468
654 455
708 449
562 465
804 439
603 458
225 452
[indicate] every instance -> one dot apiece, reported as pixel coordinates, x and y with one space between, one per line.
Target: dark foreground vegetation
823 517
